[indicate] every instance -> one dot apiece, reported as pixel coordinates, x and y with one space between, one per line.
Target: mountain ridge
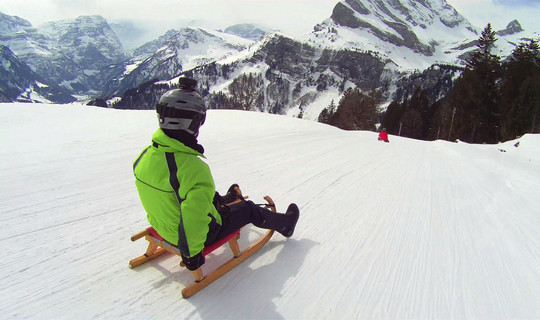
410 39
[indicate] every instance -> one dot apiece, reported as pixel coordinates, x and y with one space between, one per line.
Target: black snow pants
235 216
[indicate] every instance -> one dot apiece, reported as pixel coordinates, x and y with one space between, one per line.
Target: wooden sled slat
145 258
226 267
158 246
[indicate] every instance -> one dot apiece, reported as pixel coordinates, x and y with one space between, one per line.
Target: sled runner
158 246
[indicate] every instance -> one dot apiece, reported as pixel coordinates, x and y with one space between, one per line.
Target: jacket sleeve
195 209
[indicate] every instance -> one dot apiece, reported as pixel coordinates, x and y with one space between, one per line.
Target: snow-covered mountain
20 83
383 45
70 53
174 52
13 24
87 40
402 230
413 34
36 50
275 74
247 31
378 45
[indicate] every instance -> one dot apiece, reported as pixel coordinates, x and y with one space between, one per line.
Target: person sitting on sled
383 135
176 187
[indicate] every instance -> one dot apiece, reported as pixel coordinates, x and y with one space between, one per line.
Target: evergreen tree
412 123
392 117
441 120
482 60
520 92
419 102
476 96
247 92
412 116
327 113
464 102
355 111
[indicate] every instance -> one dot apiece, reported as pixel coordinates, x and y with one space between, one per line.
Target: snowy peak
195 46
12 24
149 48
190 42
174 52
199 35
381 22
71 53
89 40
23 39
512 28
418 13
247 31
394 27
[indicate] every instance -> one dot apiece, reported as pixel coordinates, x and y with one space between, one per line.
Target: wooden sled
158 246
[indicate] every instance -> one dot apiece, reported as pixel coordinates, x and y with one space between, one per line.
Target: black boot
282 223
293 214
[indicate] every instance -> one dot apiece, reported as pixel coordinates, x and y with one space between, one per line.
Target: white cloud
523 3
500 12
290 16
287 15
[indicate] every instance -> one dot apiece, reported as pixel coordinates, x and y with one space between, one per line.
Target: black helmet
182 109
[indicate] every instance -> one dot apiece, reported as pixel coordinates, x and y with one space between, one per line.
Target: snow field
408 229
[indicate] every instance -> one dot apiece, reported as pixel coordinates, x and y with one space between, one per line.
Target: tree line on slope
490 101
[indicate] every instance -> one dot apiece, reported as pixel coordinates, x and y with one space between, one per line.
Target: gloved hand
194 262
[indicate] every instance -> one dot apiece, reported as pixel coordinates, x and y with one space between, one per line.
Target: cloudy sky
290 16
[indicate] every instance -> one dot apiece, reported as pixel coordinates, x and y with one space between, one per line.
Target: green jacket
176 189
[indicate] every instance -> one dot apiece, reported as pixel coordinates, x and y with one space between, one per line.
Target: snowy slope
409 229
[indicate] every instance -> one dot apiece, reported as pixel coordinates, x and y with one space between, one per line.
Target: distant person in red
383 135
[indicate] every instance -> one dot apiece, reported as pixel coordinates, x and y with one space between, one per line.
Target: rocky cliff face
401 30
20 83
13 24
91 44
14 74
348 14
281 73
